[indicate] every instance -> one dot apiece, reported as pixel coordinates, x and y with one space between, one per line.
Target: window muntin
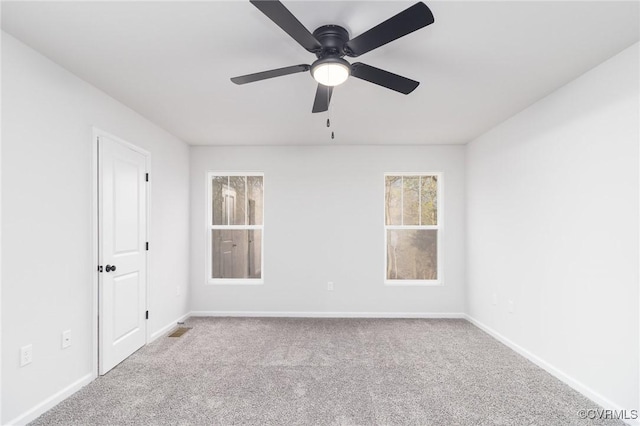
413 228
235 228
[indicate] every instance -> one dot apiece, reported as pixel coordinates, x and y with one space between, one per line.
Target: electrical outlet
511 309
66 339
330 286
178 291
494 299
26 355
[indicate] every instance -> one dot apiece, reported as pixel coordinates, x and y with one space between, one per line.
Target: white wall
553 225
324 222
47 122
0 247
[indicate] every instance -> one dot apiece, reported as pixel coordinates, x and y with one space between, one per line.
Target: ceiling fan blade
405 22
323 96
250 78
281 16
383 78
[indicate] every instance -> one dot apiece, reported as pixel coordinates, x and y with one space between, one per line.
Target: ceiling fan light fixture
330 71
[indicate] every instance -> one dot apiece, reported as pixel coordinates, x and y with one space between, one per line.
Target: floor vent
179 331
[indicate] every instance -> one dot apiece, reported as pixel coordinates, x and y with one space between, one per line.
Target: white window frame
439 227
210 227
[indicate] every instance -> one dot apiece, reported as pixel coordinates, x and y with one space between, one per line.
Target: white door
122 221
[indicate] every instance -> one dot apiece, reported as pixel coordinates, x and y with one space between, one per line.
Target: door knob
110 268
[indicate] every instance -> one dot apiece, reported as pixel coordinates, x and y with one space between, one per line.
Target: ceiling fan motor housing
332 38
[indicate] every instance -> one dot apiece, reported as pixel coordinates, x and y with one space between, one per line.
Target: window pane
410 200
236 253
412 254
429 195
236 200
217 200
254 256
254 203
393 200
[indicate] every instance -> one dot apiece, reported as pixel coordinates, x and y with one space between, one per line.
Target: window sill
239 282
413 283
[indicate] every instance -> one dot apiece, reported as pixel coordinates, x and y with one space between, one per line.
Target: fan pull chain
333 136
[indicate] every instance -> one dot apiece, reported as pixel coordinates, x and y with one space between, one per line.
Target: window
413 228
235 228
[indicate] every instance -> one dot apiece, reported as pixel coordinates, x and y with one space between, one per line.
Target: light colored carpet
297 371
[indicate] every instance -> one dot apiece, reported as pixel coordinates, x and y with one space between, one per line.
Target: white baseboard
554 371
254 314
173 324
52 401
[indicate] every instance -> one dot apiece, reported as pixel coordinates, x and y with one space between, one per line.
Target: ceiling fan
330 43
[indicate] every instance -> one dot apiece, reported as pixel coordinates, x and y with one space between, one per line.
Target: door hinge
146 177
146 316
147 246
99 268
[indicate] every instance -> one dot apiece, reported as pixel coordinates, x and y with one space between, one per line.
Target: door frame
95 241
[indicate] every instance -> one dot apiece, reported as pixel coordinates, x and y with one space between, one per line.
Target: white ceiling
478 64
